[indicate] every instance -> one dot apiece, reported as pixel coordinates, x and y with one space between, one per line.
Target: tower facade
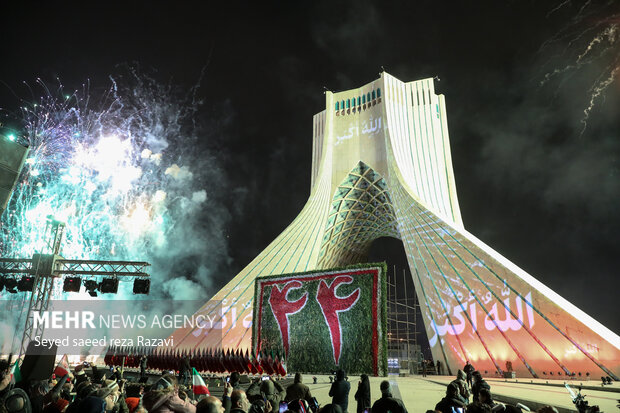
381 167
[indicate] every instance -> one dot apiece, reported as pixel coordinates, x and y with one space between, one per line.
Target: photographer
267 390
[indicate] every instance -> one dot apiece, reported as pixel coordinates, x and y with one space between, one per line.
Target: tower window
364 99
378 92
368 97
358 101
374 96
337 106
348 103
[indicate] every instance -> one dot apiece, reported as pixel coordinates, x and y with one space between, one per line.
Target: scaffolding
47 266
402 311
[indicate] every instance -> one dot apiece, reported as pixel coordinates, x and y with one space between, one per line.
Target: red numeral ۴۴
281 308
331 305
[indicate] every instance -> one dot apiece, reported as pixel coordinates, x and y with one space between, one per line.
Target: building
382 168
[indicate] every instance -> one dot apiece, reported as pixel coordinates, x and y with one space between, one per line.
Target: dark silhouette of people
340 391
185 370
461 383
298 390
362 395
452 401
479 384
143 362
469 369
388 403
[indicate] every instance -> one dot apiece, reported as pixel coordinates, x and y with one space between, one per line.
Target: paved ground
421 394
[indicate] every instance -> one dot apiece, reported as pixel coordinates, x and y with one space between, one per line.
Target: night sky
534 181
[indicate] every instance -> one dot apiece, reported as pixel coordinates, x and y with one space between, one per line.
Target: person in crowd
79 374
388 403
209 404
547 409
477 407
135 390
116 374
479 384
452 402
59 406
268 390
185 370
41 395
133 403
484 403
484 396
235 379
424 364
164 397
340 391
461 383
92 404
113 393
239 401
143 363
226 402
83 390
362 395
438 368
331 408
469 369
260 406
298 390
11 400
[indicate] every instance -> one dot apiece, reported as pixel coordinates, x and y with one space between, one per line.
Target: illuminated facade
382 167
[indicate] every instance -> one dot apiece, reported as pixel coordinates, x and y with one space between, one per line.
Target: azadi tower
381 167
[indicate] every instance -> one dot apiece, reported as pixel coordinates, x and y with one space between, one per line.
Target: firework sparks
591 42
114 176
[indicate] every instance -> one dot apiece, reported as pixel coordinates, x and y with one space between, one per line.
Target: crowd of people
80 391
470 393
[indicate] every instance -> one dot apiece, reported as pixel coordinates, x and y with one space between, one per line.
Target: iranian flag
16 374
198 384
62 369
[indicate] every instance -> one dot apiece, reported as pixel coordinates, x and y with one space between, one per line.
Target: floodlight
91 287
26 283
109 285
141 286
72 284
10 284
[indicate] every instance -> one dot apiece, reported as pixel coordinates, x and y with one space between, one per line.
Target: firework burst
122 171
592 40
